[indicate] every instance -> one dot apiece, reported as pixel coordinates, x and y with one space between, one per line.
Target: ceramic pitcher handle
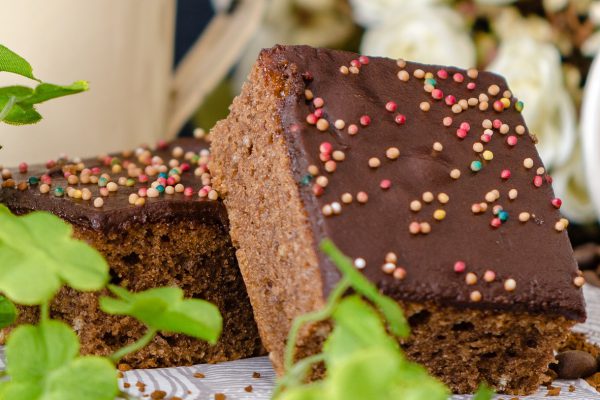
211 57
590 130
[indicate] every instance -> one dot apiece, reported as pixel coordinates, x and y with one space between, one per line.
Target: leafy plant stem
141 342
297 374
7 107
318 315
45 311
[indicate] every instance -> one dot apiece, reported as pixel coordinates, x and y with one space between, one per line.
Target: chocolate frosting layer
116 213
535 255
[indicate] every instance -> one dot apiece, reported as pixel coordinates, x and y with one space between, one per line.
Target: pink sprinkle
485 138
400 119
162 144
96 170
496 222
363 60
450 100
23 168
355 63
46 179
460 266
365 120
385 184
471 85
202 193
557 202
437 94
185 167
103 191
461 133
391 106
162 181
538 181
67 174
505 174
511 140
442 74
325 157
142 192
318 190
318 112
465 126
318 102
458 77
171 181
311 119
50 164
353 129
548 179
489 276
497 123
498 106
188 191
143 178
447 121
326 148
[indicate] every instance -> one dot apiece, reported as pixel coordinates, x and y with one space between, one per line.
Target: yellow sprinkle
439 214
488 155
505 102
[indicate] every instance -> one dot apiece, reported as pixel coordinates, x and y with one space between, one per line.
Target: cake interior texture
257 168
171 241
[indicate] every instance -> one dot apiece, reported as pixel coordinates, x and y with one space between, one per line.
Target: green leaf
357 326
390 309
47 91
313 391
43 364
484 392
38 255
165 309
12 62
8 312
18 114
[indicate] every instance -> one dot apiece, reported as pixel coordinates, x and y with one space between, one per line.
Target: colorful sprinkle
460 266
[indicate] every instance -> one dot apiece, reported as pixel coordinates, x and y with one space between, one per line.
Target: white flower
570 185
431 34
534 75
372 12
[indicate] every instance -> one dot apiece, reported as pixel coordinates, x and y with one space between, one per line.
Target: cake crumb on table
220 396
256 375
199 375
248 388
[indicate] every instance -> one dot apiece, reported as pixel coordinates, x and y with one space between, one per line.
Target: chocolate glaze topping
116 213
535 254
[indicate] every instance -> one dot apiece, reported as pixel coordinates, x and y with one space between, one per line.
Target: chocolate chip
591 277
574 364
587 255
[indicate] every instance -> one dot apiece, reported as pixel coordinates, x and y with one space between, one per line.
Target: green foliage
38 255
165 309
17 103
8 312
362 355
43 363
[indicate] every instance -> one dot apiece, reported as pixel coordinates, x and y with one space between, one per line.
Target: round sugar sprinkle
360 263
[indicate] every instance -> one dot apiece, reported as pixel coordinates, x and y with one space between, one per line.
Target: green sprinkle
431 81
519 106
59 192
33 180
306 179
503 215
476 166
115 161
130 182
102 182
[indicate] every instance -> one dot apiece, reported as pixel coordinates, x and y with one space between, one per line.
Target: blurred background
161 68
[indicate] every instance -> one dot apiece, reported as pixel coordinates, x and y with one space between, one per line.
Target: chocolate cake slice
155 218
428 178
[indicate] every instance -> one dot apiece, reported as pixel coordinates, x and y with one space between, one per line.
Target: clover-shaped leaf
8 312
165 309
43 363
38 255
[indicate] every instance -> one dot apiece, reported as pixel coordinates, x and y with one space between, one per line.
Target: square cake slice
149 213
428 178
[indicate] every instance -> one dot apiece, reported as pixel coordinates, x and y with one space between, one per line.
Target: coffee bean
575 364
587 255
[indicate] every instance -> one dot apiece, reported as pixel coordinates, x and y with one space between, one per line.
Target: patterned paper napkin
237 381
